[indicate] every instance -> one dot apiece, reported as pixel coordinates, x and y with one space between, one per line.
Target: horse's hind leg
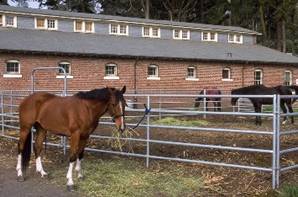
78 167
40 137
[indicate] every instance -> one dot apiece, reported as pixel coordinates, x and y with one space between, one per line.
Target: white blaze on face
121 111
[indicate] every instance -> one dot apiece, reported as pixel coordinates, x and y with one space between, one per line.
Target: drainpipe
135 82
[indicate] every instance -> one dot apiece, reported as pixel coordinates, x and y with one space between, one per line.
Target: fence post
2 113
148 134
276 142
204 103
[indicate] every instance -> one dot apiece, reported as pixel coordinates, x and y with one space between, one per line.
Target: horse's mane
98 94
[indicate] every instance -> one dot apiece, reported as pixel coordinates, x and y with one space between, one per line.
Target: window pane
51 24
12 67
288 78
258 77
205 36
191 72
88 26
79 25
123 29
238 38
185 34
9 20
226 73
177 33
114 29
231 37
152 71
66 66
111 70
155 32
212 36
146 31
40 22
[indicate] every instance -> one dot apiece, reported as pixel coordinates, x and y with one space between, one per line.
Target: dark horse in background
258 102
215 100
73 116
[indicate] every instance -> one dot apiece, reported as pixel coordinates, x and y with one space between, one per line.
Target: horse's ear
123 90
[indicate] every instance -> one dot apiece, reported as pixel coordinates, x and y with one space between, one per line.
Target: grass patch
178 122
127 178
289 191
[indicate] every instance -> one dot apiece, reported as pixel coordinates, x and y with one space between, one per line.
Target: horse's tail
26 153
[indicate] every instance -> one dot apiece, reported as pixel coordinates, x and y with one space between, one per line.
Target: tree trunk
147 9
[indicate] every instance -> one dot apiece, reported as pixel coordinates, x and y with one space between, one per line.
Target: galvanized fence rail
9 119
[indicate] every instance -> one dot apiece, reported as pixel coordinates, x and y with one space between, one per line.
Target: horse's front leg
74 148
78 167
284 109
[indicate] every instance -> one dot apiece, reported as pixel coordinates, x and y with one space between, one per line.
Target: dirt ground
218 181
34 186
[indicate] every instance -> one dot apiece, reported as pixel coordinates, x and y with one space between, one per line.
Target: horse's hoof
70 188
81 178
45 176
20 179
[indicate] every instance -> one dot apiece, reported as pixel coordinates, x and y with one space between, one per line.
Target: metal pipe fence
9 120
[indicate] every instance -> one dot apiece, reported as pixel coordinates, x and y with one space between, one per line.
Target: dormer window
151 32
181 34
8 21
46 23
235 38
83 26
119 29
209 36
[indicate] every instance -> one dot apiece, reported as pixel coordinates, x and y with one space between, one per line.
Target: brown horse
73 116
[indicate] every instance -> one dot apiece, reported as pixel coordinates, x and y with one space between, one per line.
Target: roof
42 41
67 14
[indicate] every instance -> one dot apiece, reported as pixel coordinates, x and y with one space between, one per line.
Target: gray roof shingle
42 41
125 19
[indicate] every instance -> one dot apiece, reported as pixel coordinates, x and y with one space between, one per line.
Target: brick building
146 55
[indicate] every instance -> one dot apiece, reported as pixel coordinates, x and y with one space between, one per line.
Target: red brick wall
88 73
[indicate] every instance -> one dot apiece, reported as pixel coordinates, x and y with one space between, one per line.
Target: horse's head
116 107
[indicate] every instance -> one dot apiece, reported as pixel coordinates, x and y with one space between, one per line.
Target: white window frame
209 36
60 75
261 80
4 21
46 26
111 76
150 32
291 77
234 38
180 34
83 27
12 74
156 76
118 30
229 74
194 77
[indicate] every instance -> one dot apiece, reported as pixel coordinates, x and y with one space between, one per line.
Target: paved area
34 186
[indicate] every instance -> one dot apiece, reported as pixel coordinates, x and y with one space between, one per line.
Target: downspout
135 82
